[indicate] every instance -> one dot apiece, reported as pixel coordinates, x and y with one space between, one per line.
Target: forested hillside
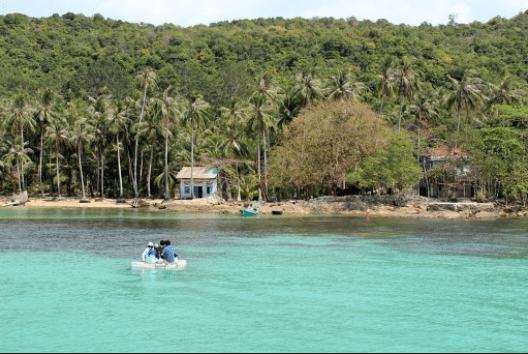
74 86
78 53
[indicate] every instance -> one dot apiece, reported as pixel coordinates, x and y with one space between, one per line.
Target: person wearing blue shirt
151 255
168 253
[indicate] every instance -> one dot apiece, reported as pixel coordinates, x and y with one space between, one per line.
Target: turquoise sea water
266 284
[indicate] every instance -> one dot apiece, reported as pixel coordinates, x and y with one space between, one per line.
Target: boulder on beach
140 204
18 199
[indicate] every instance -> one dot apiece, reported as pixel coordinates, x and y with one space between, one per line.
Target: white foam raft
179 264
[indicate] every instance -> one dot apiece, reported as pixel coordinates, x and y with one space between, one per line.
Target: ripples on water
265 284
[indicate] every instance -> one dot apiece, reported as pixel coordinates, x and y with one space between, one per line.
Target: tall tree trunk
119 168
57 167
137 144
381 105
400 114
418 152
167 193
268 136
81 170
102 175
130 172
22 162
141 170
97 158
40 160
459 112
50 173
265 159
18 174
192 159
458 125
258 167
150 169
426 181
282 174
239 197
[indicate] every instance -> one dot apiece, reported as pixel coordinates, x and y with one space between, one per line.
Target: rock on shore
379 206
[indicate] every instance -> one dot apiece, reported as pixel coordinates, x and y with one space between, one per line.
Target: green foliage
36 51
243 84
396 164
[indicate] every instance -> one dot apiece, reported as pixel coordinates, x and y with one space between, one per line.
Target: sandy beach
384 207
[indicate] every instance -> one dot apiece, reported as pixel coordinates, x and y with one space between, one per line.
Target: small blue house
205 182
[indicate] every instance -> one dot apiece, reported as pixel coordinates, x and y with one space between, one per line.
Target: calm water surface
266 284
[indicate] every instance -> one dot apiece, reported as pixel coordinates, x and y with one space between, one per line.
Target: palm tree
386 82
259 120
45 117
466 93
81 131
341 87
507 93
424 111
118 120
248 185
265 94
98 112
174 109
266 87
195 113
147 79
405 77
289 108
307 88
235 117
21 118
18 152
58 133
150 130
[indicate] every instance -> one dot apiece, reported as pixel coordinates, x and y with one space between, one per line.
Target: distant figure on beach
168 253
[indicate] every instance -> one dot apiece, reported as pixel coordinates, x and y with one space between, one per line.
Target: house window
187 190
209 190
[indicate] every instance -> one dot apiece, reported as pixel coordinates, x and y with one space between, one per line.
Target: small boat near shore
179 264
250 212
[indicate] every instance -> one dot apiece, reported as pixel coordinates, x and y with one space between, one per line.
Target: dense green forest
102 107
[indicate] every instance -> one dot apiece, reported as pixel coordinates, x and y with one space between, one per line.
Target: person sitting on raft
168 253
159 249
149 254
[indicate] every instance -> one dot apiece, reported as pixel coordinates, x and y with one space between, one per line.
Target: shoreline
380 207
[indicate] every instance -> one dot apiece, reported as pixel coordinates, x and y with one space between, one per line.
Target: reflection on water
266 284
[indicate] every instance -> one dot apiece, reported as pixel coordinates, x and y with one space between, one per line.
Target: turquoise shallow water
267 284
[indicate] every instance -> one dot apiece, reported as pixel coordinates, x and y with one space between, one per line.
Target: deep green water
266 284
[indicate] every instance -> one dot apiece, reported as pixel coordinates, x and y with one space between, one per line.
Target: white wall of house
436 161
209 188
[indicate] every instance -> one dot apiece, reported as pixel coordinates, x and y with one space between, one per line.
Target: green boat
250 212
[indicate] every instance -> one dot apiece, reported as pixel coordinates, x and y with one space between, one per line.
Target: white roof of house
198 173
